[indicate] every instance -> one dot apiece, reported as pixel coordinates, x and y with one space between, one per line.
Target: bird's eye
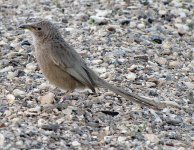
39 29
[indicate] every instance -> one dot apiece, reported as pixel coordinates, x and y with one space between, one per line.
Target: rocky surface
142 46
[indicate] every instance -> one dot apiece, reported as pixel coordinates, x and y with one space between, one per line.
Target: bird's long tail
129 96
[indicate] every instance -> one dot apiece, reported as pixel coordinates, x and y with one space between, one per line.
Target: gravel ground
142 46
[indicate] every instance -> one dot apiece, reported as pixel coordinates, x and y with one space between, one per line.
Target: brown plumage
65 68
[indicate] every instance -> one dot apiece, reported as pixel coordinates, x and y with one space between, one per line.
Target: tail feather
129 96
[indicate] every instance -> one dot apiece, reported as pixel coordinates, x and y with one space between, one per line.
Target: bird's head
41 30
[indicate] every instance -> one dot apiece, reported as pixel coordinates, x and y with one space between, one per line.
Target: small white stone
152 138
131 76
47 99
133 24
2 43
2 139
141 26
162 12
10 98
109 93
100 70
7 113
166 45
43 86
182 15
97 61
138 67
75 144
6 69
103 13
122 60
19 143
121 139
31 67
107 130
182 27
15 120
150 84
18 92
83 52
98 19
41 122
104 75
11 75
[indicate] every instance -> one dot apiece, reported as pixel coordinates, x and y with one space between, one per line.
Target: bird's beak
26 26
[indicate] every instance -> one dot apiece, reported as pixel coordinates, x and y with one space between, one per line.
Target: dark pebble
51 127
25 43
125 22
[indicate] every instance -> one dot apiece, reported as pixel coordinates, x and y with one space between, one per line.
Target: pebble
2 140
161 60
152 138
31 67
125 22
166 45
100 70
19 93
99 20
10 98
141 26
182 27
103 13
107 139
150 84
41 122
157 39
7 113
111 28
44 86
50 127
47 99
6 69
11 75
20 143
131 76
162 12
174 64
75 144
121 139
35 109
182 15
174 120
97 61
2 43
132 24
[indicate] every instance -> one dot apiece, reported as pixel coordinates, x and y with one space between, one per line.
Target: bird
65 68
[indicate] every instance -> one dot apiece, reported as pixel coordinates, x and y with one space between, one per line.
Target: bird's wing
67 59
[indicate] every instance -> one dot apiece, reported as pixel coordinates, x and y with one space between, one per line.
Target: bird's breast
56 75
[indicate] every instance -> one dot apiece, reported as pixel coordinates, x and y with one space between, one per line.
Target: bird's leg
66 96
